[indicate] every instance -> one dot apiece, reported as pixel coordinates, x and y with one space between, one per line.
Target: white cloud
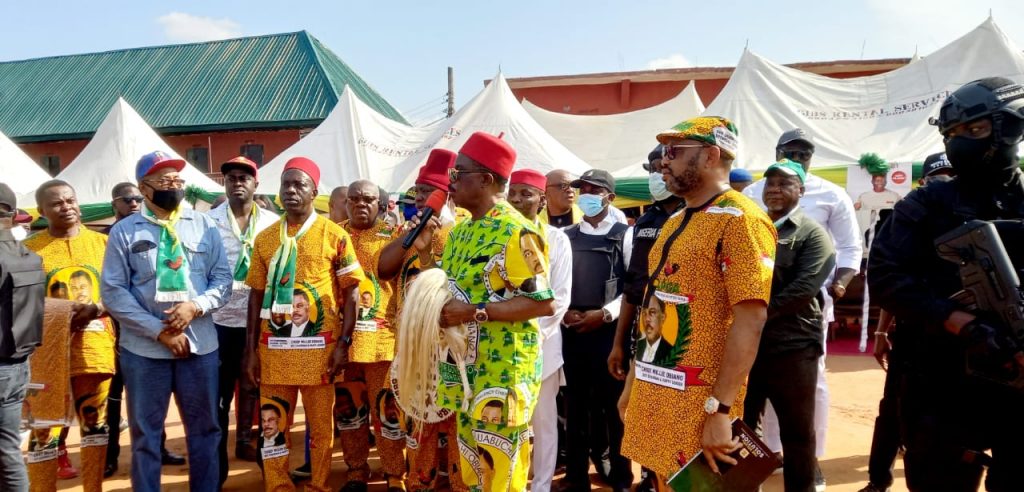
674 60
187 28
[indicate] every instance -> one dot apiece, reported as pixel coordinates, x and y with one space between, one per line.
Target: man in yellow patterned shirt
72 259
305 256
710 280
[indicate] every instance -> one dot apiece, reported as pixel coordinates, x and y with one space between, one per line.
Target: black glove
990 348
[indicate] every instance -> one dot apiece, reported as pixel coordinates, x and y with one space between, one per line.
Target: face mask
168 199
967 155
591 205
656 185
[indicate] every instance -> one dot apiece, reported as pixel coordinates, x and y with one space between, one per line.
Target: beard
689 180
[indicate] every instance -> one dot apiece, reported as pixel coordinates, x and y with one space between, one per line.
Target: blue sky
402 48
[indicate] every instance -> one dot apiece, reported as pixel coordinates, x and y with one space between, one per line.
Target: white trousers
545 432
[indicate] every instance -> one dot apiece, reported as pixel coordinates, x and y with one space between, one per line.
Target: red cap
435 171
240 162
305 165
529 177
491 152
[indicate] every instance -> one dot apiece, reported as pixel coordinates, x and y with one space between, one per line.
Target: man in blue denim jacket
164 272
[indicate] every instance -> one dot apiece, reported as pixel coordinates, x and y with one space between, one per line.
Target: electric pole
451 93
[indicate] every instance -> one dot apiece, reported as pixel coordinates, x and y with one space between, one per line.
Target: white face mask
656 185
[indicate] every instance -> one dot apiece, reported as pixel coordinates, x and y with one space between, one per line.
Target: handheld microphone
433 207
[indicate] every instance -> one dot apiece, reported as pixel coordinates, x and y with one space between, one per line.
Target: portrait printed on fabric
273 426
351 405
390 416
492 456
369 298
665 329
77 284
88 409
307 317
521 267
44 438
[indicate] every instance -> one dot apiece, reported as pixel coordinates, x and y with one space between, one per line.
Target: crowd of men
646 340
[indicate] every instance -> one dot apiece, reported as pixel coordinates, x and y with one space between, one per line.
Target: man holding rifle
958 421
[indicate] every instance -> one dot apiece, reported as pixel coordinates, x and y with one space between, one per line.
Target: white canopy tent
617 143
355 142
110 157
886 114
18 171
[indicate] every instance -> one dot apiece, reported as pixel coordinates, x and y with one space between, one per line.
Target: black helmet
993 97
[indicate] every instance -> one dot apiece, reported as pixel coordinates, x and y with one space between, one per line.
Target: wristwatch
347 340
481 313
713 406
606 316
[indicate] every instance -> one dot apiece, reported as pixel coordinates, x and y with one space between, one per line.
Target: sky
402 48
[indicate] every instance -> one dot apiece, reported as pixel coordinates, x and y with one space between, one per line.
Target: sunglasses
128 200
561 186
167 183
796 155
668 152
454 174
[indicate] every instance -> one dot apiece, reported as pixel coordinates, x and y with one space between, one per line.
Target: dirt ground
855 383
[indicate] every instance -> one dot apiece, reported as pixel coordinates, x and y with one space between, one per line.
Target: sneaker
870 487
64 469
302 473
819 480
109 470
353 486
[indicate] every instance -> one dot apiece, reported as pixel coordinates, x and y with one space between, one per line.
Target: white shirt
560 279
603 228
298 329
617 214
871 202
829 205
651 351
235 313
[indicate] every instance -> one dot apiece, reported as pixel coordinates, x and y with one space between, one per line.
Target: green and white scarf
171 263
277 298
245 253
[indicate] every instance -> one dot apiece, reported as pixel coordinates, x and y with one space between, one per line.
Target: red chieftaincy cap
491 152
529 177
305 165
435 171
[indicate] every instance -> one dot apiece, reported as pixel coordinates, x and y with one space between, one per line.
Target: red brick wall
223 145
615 98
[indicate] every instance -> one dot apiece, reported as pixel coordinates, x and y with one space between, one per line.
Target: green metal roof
274 81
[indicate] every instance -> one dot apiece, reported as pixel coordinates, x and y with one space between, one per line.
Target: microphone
433 206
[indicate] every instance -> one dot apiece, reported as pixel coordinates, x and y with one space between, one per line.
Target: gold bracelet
885 334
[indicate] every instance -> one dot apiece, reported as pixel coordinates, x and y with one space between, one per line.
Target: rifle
990 285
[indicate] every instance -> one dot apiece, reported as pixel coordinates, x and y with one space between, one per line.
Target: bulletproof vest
22 290
598 267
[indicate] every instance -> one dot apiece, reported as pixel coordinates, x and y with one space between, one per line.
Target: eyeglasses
7 215
561 186
797 155
128 200
455 174
167 183
239 178
369 200
668 152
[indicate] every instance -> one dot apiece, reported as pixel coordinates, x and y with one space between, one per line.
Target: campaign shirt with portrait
72 267
706 260
490 260
374 337
326 263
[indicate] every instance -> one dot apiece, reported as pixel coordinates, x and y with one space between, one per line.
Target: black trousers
885 442
946 423
788 380
232 349
593 427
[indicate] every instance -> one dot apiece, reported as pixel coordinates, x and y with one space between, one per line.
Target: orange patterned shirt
705 261
73 267
374 337
325 265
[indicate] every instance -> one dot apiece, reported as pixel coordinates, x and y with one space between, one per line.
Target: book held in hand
755 463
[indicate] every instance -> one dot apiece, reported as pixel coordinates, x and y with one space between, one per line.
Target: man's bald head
558 176
560 195
363 204
336 204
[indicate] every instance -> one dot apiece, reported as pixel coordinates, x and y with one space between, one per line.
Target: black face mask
973 162
168 199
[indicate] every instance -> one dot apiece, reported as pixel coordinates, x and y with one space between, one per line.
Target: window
51 164
253 151
199 157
